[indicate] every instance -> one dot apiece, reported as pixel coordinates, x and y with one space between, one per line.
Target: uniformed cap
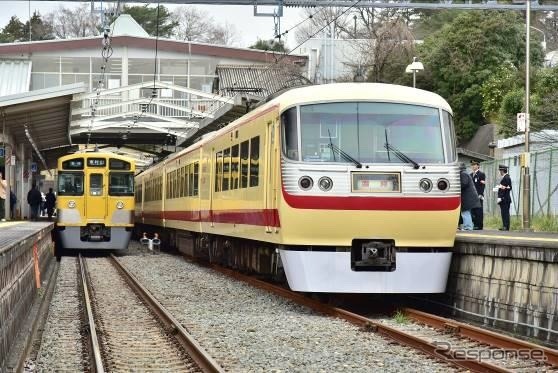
474 161
503 167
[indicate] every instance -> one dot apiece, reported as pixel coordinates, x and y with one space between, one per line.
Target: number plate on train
375 182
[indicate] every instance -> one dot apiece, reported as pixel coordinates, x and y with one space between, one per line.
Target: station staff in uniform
504 198
479 179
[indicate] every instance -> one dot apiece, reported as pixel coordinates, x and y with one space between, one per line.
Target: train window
196 175
226 168
244 152
118 164
73 164
121 184
96 162
290 134
183 184
95 184
190 180
254 160
70 183
449 136
218 171
235 170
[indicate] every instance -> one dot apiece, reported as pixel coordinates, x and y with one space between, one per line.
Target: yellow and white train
349 187
95 202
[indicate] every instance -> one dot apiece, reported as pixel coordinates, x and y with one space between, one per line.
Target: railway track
130 330
456 343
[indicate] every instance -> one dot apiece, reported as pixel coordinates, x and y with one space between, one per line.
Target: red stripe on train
266 217
372 203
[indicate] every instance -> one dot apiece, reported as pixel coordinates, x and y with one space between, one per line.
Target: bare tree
197 25
74 23
223 35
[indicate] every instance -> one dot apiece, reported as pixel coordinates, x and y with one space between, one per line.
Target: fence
544 183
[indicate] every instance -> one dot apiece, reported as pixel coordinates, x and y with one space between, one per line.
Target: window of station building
51 80
226 168
113 67
198 82
254 160
235 169
76 65
218 171
202 67
244 165
140 66
96 184
173 67
46 64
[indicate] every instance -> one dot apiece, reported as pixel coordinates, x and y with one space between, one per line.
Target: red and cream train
349 187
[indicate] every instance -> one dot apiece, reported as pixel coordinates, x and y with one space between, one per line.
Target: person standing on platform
50 203
479 179
3 194
504 197
34 200
469 198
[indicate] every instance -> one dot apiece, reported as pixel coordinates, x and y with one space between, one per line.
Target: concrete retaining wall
507 284
17 281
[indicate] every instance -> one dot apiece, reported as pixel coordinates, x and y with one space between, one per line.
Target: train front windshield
369 132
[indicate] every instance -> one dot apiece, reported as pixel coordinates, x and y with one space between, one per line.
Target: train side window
183 178
190 180
234 167
226 168
244 152
254 160
196 175
96 184
218 170
290 134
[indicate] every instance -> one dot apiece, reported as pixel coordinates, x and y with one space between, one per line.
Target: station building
47 87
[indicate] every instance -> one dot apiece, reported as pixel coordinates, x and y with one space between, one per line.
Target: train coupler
153 244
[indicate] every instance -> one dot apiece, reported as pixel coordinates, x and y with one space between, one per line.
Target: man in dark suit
479 180
504 197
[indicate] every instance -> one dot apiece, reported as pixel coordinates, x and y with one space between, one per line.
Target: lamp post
413 68
526 177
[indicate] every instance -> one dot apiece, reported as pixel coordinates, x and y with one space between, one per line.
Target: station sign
33 167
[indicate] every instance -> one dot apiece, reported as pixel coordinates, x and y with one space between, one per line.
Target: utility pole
526 159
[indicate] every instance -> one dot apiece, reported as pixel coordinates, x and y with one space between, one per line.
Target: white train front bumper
330 272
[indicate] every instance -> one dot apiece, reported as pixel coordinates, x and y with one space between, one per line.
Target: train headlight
119 205
305 183
425 185
443 184
72 204
325 183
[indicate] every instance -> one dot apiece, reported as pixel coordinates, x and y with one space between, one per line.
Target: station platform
528 239
14 232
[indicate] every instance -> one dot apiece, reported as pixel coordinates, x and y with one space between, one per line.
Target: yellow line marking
9 223
508 237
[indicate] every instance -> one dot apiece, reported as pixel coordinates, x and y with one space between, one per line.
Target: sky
248 27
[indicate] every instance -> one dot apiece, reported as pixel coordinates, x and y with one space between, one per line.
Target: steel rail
96 360
190 345
448 356
482 335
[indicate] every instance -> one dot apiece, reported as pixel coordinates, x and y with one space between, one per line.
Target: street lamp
413 68
543 43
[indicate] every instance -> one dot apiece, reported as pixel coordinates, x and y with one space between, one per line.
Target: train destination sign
372 182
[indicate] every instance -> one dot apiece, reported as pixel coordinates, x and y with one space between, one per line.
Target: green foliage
400 317
512 103
146 17
540 223
467 52
496 87
270 45
546 81
13 31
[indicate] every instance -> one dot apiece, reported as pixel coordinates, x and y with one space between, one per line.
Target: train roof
360 91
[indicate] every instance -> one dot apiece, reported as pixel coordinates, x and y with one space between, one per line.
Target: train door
270 191
96 203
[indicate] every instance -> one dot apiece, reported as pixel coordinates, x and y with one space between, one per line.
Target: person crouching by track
479 179
504 198
469 198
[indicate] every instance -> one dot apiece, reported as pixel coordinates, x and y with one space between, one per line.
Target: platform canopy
41 119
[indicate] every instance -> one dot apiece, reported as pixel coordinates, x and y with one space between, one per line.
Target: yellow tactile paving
510 238
9 223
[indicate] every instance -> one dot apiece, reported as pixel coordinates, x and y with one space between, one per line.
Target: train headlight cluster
119 205
305 183
325 183
425 185
72 204
443 184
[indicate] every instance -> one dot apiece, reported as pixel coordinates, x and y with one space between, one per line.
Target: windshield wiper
342 154
402 156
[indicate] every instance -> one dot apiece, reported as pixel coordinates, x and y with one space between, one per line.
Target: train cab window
290 134
254 161
234 167
70 183
96 184
226 168
121 184
449 137
244 152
